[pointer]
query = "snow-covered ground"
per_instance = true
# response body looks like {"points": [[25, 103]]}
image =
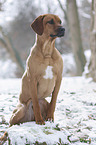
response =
{"points": [[75, 113]]}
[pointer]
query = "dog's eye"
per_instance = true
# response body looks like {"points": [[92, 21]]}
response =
{"points": [[60, 21], [51, 21]]}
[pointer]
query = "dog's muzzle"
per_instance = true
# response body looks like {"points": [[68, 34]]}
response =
{"points": [[60, 32]]}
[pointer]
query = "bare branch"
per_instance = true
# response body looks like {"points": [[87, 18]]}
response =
{"points": [[62, 8]]}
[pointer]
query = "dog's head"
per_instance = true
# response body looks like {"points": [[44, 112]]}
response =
{"points": [[48, 24]]}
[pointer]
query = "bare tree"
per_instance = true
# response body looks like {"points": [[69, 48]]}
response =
{"points": [[64, 11], [5, 42], [92, 65], [75, 34]]}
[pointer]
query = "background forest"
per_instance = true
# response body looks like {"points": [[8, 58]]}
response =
{"points": [[17, 37]]}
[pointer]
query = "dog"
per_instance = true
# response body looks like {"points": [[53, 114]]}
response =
{"points": [[43, 73]]}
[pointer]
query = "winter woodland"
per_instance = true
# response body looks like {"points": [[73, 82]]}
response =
{"points": [[75, 114]]}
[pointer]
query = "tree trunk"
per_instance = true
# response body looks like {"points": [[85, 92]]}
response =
{"points": [[75, 34], [92, 66]]}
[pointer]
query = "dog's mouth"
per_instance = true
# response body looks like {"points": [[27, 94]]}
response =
{"points": [[60, 32]]}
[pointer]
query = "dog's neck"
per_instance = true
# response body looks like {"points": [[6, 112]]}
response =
{"points": [[46, 45]]}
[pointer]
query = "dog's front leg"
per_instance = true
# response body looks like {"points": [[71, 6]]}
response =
{"points": [[36, 107], [51, 108]]}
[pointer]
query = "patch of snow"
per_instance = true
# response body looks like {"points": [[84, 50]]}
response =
{"points": [[32, 132], [7, 71], [69, 66], [7, 66], [88, 56], [10, 86]]}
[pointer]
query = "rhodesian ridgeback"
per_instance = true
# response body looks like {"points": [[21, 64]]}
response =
{"points": [[43, 74]]}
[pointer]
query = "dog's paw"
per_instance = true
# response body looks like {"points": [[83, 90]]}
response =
{"points": [[41, 122], [50, 118]]}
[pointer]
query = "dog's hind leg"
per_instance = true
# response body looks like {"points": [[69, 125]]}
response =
{"points": [[25, 112], [18, 114]]}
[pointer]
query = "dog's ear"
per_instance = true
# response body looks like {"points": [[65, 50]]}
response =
{"points": [[37, 25]]}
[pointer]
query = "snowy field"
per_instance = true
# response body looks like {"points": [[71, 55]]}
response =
{"points": [[75, 114]]}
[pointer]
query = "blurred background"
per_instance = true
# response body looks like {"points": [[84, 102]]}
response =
{"points": [[17, 37]]}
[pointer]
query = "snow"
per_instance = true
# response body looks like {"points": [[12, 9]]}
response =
{"points": [[88, 56], [5, 71], [75, 113], [5, 64], [69, 66], [33, 132]]}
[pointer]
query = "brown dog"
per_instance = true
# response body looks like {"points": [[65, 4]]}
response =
{"points": [[43, 73]]}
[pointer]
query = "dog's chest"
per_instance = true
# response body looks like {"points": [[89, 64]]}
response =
{"points": [[48, 72], [46, 82]]}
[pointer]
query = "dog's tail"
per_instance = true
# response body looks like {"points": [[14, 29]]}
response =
{"points": [[3, 138]]}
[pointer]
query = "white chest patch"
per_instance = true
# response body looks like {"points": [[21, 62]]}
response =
{"points": [[49, 73]]}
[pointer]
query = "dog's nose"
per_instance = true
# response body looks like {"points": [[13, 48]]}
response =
{"points": [[61, 31]]}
